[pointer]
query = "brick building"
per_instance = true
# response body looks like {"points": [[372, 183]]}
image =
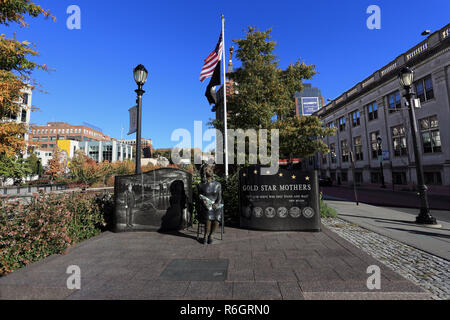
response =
{"points": [[45, 137]]}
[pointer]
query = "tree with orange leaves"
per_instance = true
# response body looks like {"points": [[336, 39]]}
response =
{"points": [[15, 73], [56, 165]]}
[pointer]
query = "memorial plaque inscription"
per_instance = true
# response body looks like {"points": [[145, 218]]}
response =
{"points": [[287, 201], [156, 200]]}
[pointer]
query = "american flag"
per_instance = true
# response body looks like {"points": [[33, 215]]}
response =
{"points": [[212, 60]]}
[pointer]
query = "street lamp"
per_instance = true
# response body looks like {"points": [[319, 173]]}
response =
{"points": [[406, 78], [140, 76], [380, 159]]}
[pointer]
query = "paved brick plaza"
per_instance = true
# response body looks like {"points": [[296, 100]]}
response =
{"points": [[261, 265]]}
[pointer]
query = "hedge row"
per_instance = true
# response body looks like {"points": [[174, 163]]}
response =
{"points": [[48, 224]]}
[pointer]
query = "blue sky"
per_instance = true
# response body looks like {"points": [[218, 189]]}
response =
{"points": [[93, 80]]}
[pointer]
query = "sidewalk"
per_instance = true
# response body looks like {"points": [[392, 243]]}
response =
{"points": [[397, 224], [385, 197], [247, 265]]}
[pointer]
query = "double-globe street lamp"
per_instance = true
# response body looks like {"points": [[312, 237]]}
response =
{"points": [[406, 78], [140, 76]]}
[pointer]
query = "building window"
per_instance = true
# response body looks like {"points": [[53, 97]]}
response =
{"points": [[399, 177], [344, 176], [51, 146], [375, 177], [107, 153], [399, 141], [344, 148], [433, 178], [93, 152], [44, 146], [333, 153], [358, 149], [374, 144], [424, 89], [324, 158], [44, 139], [24, 116], [342, 121], [35, 139], [431, 137], [355, 118], [53, 138], [25, 98], [372, 110], [394, 102], [358, 178], [333, 176]]}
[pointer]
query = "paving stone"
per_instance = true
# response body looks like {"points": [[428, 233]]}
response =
{"points": [[316, 274], [256, 291], [261, 265], [291, 290], [300, 263], [273, 274], [210, 290], [398, 262], [241, 275], [164, 288], [14, 292]]}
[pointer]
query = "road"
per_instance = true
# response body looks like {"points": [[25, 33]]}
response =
{"points": [[385, 198]]}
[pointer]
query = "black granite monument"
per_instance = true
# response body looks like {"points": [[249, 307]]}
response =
{"points": [[287, 201], [158, 200]]}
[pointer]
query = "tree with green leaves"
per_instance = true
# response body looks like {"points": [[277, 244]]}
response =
{"points": [[263, 96], [12, 167]]}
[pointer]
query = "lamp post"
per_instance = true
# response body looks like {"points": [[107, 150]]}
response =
{"points": [[406, 78], [140, 76], [380, 159]]}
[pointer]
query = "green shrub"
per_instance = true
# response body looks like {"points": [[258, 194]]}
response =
{"points": [[230, 195], [48, 224], [326, 211]]}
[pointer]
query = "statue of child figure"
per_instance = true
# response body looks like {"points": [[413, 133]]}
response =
{"points": [[211, 208]]}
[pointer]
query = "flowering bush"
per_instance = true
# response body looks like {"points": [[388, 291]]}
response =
{"points": [[48, 224]]}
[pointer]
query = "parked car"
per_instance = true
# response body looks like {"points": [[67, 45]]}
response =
{"points": [[325, 182]]}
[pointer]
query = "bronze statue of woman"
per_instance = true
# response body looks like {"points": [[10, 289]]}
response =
{"points": [[210, 194]]}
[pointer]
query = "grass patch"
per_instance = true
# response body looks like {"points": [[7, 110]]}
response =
{"points": [[326, 211]]}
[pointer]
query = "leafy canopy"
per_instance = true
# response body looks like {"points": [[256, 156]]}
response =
{"points": [[263, 96], [15, 72]]}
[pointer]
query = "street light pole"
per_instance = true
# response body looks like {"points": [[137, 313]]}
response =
{"points": [[406, 79], [140, 93], [140, 76], [380, 159]]}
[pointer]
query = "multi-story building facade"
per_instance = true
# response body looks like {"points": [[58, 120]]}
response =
{"points": [[375, 108], [45, 137], [23, 112], [146, 146], [99, 151], [308, 92]]}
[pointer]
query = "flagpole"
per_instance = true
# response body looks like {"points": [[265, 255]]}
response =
{"points": [[225, 114]]}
